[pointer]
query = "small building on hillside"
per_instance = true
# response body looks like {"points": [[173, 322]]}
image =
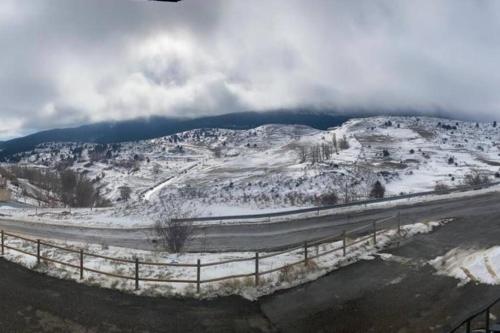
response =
{"points": [[4, 191]]}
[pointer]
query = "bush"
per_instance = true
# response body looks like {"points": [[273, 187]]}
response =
{"points": [[378, 190], [441, 187], [125, 192], [343, 143], [474, 178], [386, 153], [171, 233], [328, 199]]}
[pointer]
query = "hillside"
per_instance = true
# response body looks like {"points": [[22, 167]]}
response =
{"points": [[275, 167], [148, 128]]}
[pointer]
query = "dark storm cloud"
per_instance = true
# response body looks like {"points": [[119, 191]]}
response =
{"points": [[65, 62]]}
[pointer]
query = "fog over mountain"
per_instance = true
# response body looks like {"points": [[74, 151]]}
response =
{"points": [[71, 62]]}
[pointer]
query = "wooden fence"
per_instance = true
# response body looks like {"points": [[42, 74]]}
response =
{"points": [[366, 233]]}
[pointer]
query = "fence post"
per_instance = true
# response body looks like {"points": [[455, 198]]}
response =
{"points": [[136, 273], [38, 251], [3, 250], [344, 243], [305, 253], [81, 264], [487, 322], [374, 232], [198, 276], [257, 269], [399, 223]]}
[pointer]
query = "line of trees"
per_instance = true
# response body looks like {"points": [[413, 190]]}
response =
{"points": [[71, 188], [322, 152]]}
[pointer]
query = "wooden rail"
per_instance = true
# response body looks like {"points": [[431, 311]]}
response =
{"points": [[305, 250]]}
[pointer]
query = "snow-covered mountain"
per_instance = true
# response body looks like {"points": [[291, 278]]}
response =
{"points": [[272, 167]]}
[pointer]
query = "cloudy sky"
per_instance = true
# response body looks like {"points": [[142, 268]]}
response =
{"points": [[69, 62]]}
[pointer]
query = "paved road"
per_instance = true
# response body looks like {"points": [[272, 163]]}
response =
{"points": [[32, 302], [262, 236], [403, 296]]}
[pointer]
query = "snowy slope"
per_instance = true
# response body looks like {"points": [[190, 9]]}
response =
{"points": [[219, 171]]}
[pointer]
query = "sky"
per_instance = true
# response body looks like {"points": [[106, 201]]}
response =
{"points": [[70, 62]]}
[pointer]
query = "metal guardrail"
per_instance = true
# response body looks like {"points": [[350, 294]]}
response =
{"points": [[322, 208]]}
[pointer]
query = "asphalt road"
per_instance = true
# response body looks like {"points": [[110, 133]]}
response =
{"points": [[402, 295], [264, 236], [32, 302], [399, 295]]}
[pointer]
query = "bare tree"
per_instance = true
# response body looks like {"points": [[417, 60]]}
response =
{"points": [[125, 192], [344, 143], [475, 178], [156, 169], [85, 194], [302, 151], [334, 143], [365, 178], [326, 151], [172, 234], [217, 151], [347, 189]]}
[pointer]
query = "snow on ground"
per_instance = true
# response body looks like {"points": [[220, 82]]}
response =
{"points": [[470, 265], [213, 172], [283, 278], [114, 218]]}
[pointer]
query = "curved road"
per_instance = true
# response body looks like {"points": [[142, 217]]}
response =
{"points": [[265, 236], [402, 294]]}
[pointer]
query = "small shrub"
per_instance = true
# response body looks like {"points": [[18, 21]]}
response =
{"points": [[343, 143], [328, 199], [441, 187], [378, 190]]}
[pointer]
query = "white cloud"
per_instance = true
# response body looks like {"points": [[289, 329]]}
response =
{"points": [[67, 62]]}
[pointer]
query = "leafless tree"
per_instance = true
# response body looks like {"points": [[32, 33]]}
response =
{"points": [[475, 178], [343, 143], [125, 192], [334, 143], [302, 151], [326, 151], [365, 178], [217, 152], [172, 234], [156, 169], [347, 189]]}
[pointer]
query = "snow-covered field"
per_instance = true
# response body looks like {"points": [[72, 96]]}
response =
{"points": [[286, 277], [271, 168]]}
